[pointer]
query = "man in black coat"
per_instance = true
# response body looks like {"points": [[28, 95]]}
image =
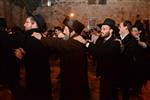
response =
{"points": [[35, 57], [73, 61], [3, 50], [129, 50], [107, 52], [141, 62], [9, 63]]}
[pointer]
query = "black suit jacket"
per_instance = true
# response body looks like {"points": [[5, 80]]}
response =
{"points": [[107, 55], [130, 50]]}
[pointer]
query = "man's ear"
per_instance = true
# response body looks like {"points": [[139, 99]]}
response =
{"points": [[140, 31], [34, 25], [111, 30], [126, 27]]}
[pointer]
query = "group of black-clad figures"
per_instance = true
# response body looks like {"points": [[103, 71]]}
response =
{"points": [[121, 55]]}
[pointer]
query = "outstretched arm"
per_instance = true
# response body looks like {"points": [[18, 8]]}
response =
{"points": [[80, 39]]}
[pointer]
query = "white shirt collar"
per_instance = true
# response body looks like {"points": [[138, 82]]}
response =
{"points": [[122, 36], [107, 37]]}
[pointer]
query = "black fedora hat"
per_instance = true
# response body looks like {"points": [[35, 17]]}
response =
{"points": [[73, 24], [110, 22]]}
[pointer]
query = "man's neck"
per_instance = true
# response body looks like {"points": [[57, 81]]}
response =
{"points": [[107, 38], [122, 36]]}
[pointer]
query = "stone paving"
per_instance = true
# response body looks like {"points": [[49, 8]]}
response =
{"points": [[5, 94]]}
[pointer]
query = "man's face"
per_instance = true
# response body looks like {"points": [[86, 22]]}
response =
{"points": [[57, 32], [105, 31], [28, 24], [135, 32], [66, 31], [122, 28]]}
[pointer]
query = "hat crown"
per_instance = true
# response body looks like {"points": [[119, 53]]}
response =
{"points": [[74, 24], [109, 22]]}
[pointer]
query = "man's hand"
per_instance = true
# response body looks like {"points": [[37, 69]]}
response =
{"points": [[121, 45], [142, 44], [37, 35], [19, 53], [80, 39]]}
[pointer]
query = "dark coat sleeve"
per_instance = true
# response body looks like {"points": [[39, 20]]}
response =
{"points": [[59, 45]]}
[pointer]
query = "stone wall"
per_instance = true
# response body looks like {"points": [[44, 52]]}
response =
{"points": [[14, 15], [89, 13], [116, 9]]}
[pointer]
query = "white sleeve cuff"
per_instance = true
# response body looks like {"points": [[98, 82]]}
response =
{"points": [[87, 44]]}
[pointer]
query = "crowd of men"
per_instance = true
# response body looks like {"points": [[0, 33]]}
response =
{"points": [[121, 55]]}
